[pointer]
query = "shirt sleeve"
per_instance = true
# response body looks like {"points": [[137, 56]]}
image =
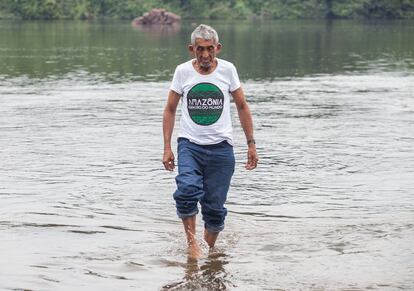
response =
{"points": [[176, 84], [234, 79]]}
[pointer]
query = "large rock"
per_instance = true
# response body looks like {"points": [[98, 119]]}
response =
{"points": [[157, 16]]}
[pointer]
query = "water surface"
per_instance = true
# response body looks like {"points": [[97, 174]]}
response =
{"points": [[86, 205]]}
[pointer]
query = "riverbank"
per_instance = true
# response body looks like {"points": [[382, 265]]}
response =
{"points": [[213, 9]]}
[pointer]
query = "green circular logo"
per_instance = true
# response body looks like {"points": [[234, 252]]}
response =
{"points": [[205, 103]]}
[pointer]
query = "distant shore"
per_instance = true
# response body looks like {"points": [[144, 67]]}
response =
{"points": [[213, 9]]}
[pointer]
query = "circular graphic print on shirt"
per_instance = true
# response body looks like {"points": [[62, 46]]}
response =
{"points": [[205, 103]]}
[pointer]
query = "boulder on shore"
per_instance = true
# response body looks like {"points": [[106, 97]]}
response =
{"points": [[157, 16]]}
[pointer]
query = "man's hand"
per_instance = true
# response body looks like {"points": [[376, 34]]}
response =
{"points": [[252, 158], [168, 160]]}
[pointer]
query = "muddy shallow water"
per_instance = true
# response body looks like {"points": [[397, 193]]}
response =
{"points": [[86, 205]]}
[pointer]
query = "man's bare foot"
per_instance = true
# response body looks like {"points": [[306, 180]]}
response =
{"points": [[194, 251], [210, 237]]}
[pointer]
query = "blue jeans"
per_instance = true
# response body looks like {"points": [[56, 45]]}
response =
{"points": [[204, 175]]}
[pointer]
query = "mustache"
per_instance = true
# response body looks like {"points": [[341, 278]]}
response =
{"points": [[205, 59]]}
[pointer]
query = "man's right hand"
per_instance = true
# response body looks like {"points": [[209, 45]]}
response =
{"points": [[168, 160]]}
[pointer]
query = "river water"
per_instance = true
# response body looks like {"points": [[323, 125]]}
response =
{"points": [[86, 205]]}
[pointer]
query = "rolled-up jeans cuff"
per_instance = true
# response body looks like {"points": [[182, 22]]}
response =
{"points": [[182, 216], [213, 229]]}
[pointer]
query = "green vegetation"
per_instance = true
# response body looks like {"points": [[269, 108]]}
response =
{"points": [[213, 9]]}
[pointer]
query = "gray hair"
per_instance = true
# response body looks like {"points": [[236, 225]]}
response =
{"points": [[204, 32]]}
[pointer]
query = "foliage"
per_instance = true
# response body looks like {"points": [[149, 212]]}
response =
{"points": [[214, 9]]}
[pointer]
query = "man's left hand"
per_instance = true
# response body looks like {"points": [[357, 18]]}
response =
{"points": [[252, 158]]}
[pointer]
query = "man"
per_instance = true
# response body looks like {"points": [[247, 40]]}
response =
{"points": [[205, 151]]}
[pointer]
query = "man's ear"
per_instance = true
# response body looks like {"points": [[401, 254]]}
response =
{"points": [[218, 48], [191, 49]]}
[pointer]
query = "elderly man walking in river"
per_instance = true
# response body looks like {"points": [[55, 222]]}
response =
{"points": [[205, 143]]}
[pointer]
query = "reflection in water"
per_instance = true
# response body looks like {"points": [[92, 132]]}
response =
{"points": [[159, 31], [206, 275], [262, 51]]}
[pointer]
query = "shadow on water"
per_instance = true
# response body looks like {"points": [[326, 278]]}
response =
{"points": [[209, 274]]}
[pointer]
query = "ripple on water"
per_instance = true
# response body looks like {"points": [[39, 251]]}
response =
{"points": [[86, 201]]}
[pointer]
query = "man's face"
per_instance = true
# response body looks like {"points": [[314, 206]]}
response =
{"points": [[205, 52]]}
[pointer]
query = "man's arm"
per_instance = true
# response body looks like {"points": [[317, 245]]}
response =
{"points": [[246, 121], [168, 127]]}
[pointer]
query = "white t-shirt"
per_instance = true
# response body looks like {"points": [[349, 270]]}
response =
{"points": [[205, 102]]}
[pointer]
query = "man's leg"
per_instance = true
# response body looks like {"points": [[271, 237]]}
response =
{"points": [[194, 251], [217, 178], [189, 191]]}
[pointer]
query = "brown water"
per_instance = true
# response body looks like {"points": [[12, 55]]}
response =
{"points": [[86, 205]]}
